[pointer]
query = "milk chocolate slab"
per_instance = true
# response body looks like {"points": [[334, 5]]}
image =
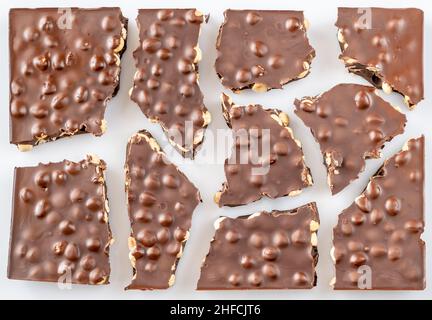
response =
{"points": [[64, 68], [384, 46], [267, 250], [166, 81], [377, 242], [160, 202], [60, 231], [351, 123], [262, 49], [266, 159]]}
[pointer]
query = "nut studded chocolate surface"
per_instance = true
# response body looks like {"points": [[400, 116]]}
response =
{"points": [[262, 49], [276, 250], [266, 159], [382, 228], [64, 67], [351, 123], [384, 46], [166, 82], [161, 201], [60, 230]]}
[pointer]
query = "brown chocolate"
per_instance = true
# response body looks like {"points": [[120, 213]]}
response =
{"points": [[266, 159], [377, 242], [64, 68], [351, 123], [262, 49], [276, 250], [384, 46], [161, 201], [60, 231], [166, 81]]}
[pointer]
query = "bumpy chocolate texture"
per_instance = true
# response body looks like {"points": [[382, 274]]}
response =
{"points": [[161, 201], [262, 50], [381, 230], [64, 67], [251, 172], [276, 250], [166, 81], [384, 46], [60, 231], [351, 123]]}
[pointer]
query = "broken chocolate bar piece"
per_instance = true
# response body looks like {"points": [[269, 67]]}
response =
{"points": [[60, 231], [384, 46], [166, 81], [64, 68], [160, 201], [377, 242], [262, 49], [351, 123], [266, 159], [276, 250]]}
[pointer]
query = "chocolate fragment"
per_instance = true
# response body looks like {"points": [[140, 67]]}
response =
{"points": [[266, 159], [351, 123], [377, 242], [262, 49], [276, 250], [160, 201], [384, 46], [64, 68], [166, 81], [60, 231]]}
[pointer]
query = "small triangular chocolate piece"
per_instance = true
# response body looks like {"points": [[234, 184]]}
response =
{"points": [[377, 242], [351, 123], [266, 160]]}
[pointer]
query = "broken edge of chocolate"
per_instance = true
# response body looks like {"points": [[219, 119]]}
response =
{"points": [[266, 250], [377, 242], [161, 201], [262, 49], [166, 81], [266, 159]]}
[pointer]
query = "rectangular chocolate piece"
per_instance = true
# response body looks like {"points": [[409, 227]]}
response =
{"points": [[64, 68], [262, 49], [377, 242], [60, 231], [266, 159], [160, 202], [384, 46], [351, 123], [266, 250], [166, 81]]}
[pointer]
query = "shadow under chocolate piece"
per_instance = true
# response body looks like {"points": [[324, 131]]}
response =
{"points": [[351, 123], [262, 49], [266, 159], [160, 201], [64, 68], [384, 46], [377, 242], [266, 250], [60, 231], [166, 81]]}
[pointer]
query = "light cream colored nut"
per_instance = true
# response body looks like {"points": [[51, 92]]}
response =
{"points": [[120, 46], [103, 125], [306, 24], [217, 197], [294, 193], [332, 254], [207, 118], [124, 33], [386, 88], [171, 280], [132, 243], [314, 239], [314, 225], [25, 147], [218, 222], [198, 55], [284, 118], [340, 36], [276, 118], [259, 87]]}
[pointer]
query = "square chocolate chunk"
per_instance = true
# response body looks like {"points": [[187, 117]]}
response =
{"points": [[384, 46], [160, 202], [64, 68], [262, 49], [266, 250], [377, 242], [60, 231]]}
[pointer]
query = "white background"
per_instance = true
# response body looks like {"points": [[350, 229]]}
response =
{"points": [[124, 118]]}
